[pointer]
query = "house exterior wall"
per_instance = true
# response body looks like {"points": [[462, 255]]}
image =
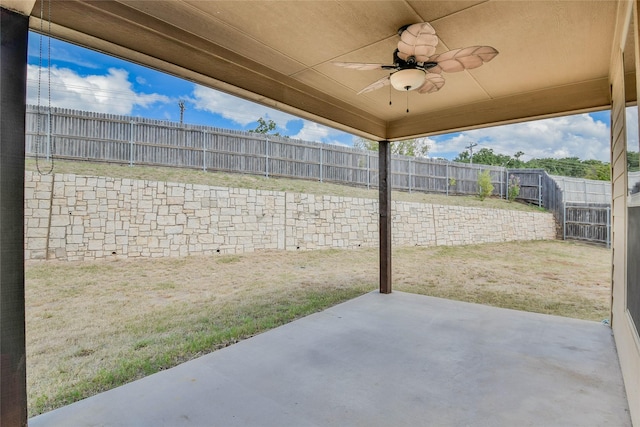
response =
{"points": [[74, 217], [626, 336]]}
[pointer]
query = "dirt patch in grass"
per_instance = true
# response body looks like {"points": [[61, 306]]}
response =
{"points": [[92, 326]]}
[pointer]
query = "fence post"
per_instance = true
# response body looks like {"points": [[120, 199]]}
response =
{"points": [[409, 167], [539, 190], [447, 178], [506, 183], [266, 156], [506, 180], [204, 150], [321, 163], [48, 133], [368, 170], [131, 128], [585, 191], [564, 222], [608, 226]]}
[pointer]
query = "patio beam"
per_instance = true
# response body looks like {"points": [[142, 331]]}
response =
{"points": [[13, 78], [384, 170]]}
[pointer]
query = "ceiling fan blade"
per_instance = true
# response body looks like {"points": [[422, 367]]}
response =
{"points": [[376, 85], [418, 40], [466, 58], [432, 83], [360, 65]]}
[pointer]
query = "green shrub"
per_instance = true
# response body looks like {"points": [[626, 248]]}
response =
{"points": [[514, 188], [485, 187]]}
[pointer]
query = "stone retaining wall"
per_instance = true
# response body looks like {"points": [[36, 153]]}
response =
{"points": [[75, 217]]}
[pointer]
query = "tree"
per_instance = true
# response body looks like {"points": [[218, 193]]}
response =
{"points": [[463, 157], [416, 147], [264, 127], [595, 169], [484, 156], [632, 161], [568, 166], [516, 162]]}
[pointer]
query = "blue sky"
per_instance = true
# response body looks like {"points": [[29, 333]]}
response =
{"points": [[87, 80]]}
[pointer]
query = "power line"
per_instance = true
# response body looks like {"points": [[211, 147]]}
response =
{"points": [[95, 91]]}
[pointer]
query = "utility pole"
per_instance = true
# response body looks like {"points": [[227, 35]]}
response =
{"points": [[182, 108], [470, 148]]}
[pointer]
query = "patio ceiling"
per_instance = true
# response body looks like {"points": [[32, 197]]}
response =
{"points": [[554, 55]]}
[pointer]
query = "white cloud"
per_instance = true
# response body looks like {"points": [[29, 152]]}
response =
{"points": [[110, 93], [315, 132], [570, 136], [245, 112], [236, 109], [312, 132]]}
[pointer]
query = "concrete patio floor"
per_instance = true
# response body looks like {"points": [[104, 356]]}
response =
{"points": [[384, 360]]}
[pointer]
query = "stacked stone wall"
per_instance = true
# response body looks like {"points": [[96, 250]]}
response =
{"points": [[75, 217]]}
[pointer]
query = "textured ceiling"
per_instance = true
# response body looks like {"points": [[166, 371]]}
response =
{"points": [[554, 55]]}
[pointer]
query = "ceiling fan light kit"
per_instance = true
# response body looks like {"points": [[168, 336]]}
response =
{"points": [[416, 66], [407, 79]]}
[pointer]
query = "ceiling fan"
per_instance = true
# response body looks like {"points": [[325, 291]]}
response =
{"points": [[415, 64]]}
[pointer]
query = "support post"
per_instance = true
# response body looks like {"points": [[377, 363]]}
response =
{"points": [[13, 82], [384, 170]]}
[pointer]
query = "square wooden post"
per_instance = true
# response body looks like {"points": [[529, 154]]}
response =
{"points": [[384, 171], [14, 29]]}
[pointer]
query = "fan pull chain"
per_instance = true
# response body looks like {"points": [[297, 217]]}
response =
{"points": [[39, 109], [389, 94], [407, 100]]}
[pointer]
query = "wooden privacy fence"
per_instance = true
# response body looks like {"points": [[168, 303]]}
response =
{"points": [[580, 206], [530, 184], [80, 135], [577, 190], [589, 222]]}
